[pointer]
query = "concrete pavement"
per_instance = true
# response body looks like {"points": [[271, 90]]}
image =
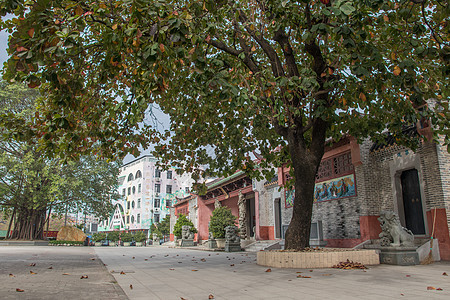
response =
{"points": [[49, 281], [159, 272], [167, 273]]}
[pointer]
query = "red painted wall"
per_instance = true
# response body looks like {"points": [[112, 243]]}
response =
{"points": [[439, 218], [369, 227], [204, 212], [343, 243], [266, 232]]}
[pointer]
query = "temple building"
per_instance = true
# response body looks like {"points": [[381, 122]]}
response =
{"points": [[355, 182]]}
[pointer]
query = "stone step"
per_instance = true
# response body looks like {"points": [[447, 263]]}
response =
{"points": [[263, 245]]}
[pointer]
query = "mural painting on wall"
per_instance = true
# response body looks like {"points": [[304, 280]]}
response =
{"points": [[335, 188], [332, 189], [289, 196]]}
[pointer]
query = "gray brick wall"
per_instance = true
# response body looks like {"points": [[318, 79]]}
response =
{"points": [[378, 188], [444, 168]]}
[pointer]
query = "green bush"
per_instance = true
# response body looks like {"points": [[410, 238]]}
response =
{"points": [[181, 221], [65, 242], [99, 236], [113, 236], [154, 229], [139, 236], [221, 218], [126, 237]]}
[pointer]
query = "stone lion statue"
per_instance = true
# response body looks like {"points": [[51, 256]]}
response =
{"points": [[231, 234], [186, 233], [392, 233]]}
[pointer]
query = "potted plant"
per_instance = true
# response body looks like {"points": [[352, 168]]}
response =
{"points": [[126, 238], [113, 237], [181, 221], [98, 238], [139, 238], [221, 218]]}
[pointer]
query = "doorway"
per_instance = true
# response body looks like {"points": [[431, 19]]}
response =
{"points": [[277, 213], [251, 220], [412, 202]]}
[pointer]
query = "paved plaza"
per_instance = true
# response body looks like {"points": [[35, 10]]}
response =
{"points": [[159, 272]]}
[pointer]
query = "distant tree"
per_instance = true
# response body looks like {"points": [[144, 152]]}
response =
{"points": [[164, 226], [33, 186]]}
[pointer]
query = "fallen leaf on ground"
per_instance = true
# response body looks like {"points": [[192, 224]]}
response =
{"points": [[445, 274], [20, 290], [211, 296], [66, 274], [429, 288], [232, 265], [84, 277], [32, 273], [11, 275], [402, 294], [32, 264], [171, 269], [92, 258], [301, 276], [327, 274], [438, 289], [131, 286], [145, 259], [311, 270], [268, 270], [133, 257], [194, 270], [203, 259], [183, 298], [298, 272], [122, 273], [50, 268], [408, 275], [346, 265]]}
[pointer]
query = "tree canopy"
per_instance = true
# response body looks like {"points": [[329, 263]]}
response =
{"points": [[234, 77]]}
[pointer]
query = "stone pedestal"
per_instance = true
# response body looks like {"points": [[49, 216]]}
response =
{"points": [[232, 247], [187, 243], [212, 244], [402, 256]]}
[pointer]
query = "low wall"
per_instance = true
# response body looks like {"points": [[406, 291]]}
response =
{"points": [[316, 259]]}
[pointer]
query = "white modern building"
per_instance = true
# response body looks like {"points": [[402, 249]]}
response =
{"points": [[147, 194]]}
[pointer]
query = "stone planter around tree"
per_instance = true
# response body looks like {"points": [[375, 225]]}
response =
{"points": [[126, 244], [138, 244]]}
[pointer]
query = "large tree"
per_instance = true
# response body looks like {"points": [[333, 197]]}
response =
{"points": [[32, 186], [278, 77]]}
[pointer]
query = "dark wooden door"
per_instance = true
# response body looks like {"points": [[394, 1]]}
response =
{"points": [[412, 202]]}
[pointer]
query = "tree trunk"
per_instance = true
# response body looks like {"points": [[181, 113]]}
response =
{"points": [[305, 163], [29, 224], [8, 232]]}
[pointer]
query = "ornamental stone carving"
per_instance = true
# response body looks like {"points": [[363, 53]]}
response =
{"points": [[392, 233], [242, 205]]}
